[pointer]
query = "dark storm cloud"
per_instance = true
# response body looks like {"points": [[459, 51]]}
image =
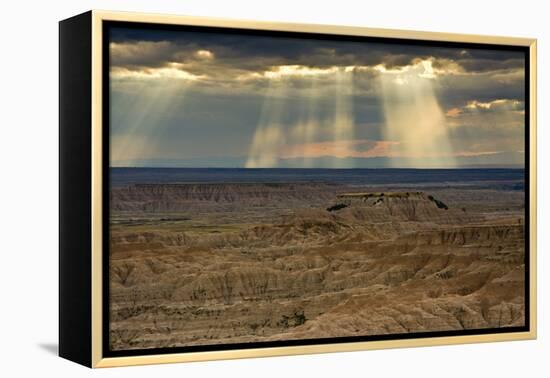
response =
{"points": [[477, 74], [252, 52], [458, 90]]}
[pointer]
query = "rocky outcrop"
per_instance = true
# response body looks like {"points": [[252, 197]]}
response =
{"points": [[184, 197], [398, 206]]}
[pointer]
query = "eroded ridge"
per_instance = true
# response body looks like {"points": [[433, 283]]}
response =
{"points": [[196, 264]]}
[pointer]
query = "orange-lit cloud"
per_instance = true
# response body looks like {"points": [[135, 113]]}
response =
{"points": [[453, 112], [363, 149], [340, 149]]}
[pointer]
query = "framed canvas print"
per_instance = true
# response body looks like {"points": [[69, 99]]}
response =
{"points": [[236, 189]]}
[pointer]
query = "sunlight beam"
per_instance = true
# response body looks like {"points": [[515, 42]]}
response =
{"points": [[343, 127], [308, 126], [415, 120], [141, 116], [269, 136]]}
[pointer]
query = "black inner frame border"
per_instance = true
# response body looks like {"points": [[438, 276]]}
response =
{"points": [[106, 25]]}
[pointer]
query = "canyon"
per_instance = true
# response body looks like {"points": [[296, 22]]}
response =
{"points": [[205, 263]]}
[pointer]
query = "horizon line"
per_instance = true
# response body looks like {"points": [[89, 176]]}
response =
{"points": [[513, 166]]}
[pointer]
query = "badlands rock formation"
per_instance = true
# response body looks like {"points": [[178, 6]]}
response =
{"points": [[196, 264]]}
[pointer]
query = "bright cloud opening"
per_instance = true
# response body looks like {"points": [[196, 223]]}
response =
{"points": [[297, 70], [154, 73], [204, 54]]}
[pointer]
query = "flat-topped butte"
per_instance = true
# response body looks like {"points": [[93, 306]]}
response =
{"points": [[379, 194], [363, 196]]}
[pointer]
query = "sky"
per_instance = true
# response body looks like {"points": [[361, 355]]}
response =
{"points": [[203, 99]]}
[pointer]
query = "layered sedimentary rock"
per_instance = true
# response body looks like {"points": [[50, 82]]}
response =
{"points": [[321, 261], [178, 197]]}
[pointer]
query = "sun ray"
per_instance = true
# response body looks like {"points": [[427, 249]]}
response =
{"points": [[141, 115], [308, 125], [270, 131], [343, 127], [414, 119]]}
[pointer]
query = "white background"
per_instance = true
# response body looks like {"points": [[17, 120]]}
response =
{"points": [[29, 186]]}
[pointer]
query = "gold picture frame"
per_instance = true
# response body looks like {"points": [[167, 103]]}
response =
{"points": [[89, 268]]}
